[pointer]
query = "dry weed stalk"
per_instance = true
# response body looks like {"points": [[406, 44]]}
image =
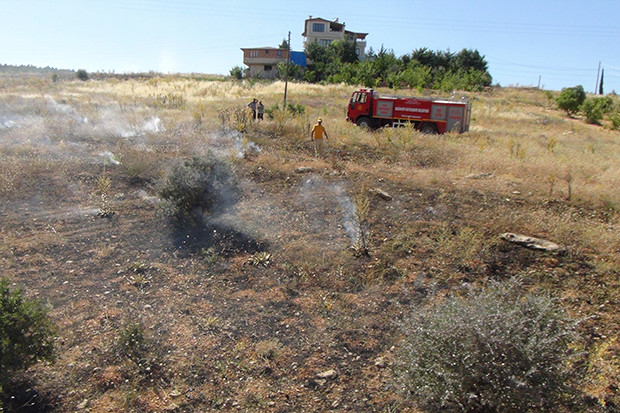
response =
{"points": [[234, 119], [362, 210], [551, 144], [551, 181], [104, 183], [569, 183]]}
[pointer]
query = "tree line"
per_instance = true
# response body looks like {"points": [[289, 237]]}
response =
{"points": [[422, 68], [30, 69]]}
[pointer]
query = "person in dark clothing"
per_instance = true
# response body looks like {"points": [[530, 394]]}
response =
{"points": [[252, 105]]}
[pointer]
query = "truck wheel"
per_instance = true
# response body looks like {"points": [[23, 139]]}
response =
{"points": [[429, 129], [364, 123]]}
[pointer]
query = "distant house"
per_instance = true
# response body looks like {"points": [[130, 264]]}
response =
{"points": [[262, 61], [326, 31]]}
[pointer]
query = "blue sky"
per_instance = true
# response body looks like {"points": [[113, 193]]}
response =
{"points": [[562, 42]]}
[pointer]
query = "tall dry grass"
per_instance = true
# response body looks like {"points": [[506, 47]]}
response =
{"points": [[525, 147]]}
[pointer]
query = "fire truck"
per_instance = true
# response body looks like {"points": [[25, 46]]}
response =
{"points": [[369, 109]]}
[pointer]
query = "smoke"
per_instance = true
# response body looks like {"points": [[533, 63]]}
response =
{"points": [[109, 156], [223, 143], [330, 202], [6, 123], [61, 130], [62, 108], [152, 125], [350, 223], [78, 131]]}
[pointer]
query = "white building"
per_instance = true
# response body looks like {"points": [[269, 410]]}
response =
{"points": [[326, 31]]}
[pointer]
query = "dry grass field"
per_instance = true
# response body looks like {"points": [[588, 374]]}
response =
{"points": [[273, 307]]}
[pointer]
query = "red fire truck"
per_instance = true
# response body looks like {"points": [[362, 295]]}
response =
{"points": [[368, 109]]}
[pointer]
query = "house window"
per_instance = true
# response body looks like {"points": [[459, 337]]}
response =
{"points": [[279, 53], [325, 42], [253, 53], [266, 51], [267, 68], [318, 27]]}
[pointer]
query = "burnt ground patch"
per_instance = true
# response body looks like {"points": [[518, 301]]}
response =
{"points": [[22, 395], [220, 238]]}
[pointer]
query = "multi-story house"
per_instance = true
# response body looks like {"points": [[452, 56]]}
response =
{"points": [[326, 31], [262, 61]]}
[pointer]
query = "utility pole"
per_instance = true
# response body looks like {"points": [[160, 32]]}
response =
{"points": [[539, 77], [288, 59], [598, 72]]}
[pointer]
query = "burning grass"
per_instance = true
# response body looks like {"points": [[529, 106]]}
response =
{"points": [[267, 295]]}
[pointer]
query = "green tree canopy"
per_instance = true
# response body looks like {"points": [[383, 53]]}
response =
{"points": [[571, 99], [82, 75], [423, 68]]}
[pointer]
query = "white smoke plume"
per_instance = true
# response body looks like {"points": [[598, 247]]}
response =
{"points": [[331, 201]]}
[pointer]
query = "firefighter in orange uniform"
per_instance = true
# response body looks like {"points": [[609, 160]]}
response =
{"points": [[317, 133]]}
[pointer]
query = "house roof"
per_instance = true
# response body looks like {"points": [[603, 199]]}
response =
{"points": [[357, 35], [262, 48]]}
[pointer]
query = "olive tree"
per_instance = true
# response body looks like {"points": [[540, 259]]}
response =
{"points": [[571, 99]]}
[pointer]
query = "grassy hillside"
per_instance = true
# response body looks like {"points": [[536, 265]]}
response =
{"points": [[272, 304]]}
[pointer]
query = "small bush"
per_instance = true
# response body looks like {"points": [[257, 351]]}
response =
{"points": [[615, 120], [237, 72], [133, 345], [82, 75], [26, 333], [571, 99], [497, 350], [197, 186], [290, 108], [595, 108]]}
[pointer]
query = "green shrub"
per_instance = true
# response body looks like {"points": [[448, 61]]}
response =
{"points": [[237, 72], [615, 120], [499, 349], [290, 108], [571, 99], [295, 72], [197, 186], [549, 96], [82, 75], [133, 345], [595, 108], [26, 333], [592, 111]]}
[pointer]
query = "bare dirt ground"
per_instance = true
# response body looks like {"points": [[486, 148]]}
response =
{"points": [[267, 307]]}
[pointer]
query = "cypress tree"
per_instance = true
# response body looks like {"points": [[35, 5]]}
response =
{"points": [[600, 86]]}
